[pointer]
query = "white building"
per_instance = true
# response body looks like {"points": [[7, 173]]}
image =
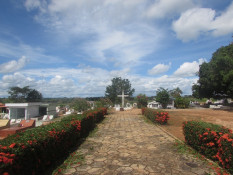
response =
{"points": [[154, 105], [157, 105], [28, 110]]}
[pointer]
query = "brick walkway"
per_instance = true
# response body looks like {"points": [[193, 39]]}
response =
{"points": [[126, 144]]}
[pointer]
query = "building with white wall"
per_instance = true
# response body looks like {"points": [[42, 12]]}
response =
{"points": [[154, 105], [28, 110]]}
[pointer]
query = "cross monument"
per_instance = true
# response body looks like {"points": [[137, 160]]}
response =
{"points": [[122, 98]]}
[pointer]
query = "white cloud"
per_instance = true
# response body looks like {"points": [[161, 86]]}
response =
{"points": [[31, 4], [223, 24], [189, 69], [14, 65], [193, 22], [127, 46], [164, 8], [159, 68], [110, 28], [83, 82], [197, 21], [16, 79]]}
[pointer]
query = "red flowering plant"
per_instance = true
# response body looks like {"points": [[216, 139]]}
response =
{"points": [[213, 141], [143, 110], [156, 116], [225, 152], [42, 146], [162, 117], [142, 100]]}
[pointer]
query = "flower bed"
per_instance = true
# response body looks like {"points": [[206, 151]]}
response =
{"points": [[213, 141], [156, 116], [35, 150]]}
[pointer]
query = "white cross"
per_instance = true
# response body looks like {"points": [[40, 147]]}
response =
{"points": [[122, 97]]}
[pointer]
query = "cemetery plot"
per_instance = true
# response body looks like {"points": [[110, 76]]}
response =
{"points": [[178, 116], [24, 124], [4, 123]]}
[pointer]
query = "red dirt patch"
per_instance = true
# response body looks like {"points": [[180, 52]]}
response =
{"points": [[178, 116]]}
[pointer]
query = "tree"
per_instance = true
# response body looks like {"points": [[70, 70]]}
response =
{"points": [[175, 92], [80, 104], [162, 97], [195, 91], [24, 94], [216, 77], [181, 102], [103, 102], [116, 88], [142, 100]]}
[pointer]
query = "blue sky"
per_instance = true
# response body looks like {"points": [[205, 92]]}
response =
{"points": [[70, 48]]}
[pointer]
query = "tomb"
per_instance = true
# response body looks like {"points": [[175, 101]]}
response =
{"points": [[22, 126], [4, 123], [154, 105]]}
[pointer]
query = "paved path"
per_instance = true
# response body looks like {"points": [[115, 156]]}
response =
{"points": [[126, 144]]}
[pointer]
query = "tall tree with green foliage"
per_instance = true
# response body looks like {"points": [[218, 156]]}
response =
{"points": [[103, 102], [162, 96], [80, 104], [175, 93], [216, 77], [24, 94], [118, 84]]}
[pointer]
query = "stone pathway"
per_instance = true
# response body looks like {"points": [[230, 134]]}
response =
{"points": [[126, 144]]}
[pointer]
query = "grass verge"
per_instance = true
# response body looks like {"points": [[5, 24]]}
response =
{"points": [[182, 148], [75, 158]]}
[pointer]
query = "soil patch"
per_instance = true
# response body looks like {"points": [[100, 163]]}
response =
{"points": [[178, 116]]}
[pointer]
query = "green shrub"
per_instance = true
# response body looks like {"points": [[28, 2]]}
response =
{"points": [[35, 150], [156, 116], [213, 141], [181, 102]]}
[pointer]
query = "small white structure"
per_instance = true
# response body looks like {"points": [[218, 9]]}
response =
{"points": [[117, 107], [135, 105], [47, 117], [215, 106], [23, 110], [154, 105], [128, 106]]}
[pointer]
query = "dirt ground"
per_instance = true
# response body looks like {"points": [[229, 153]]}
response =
{"points": [[178, 116]]}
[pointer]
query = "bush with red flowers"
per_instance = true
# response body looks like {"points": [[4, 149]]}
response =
{"points": [[213, 141], [35, 150], [156, 116], [143, 110]]}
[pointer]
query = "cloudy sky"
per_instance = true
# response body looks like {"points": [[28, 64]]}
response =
{"points": [[71, 48]]}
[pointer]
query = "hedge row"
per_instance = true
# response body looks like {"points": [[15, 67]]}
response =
{"points": [[213, 141], [156, 115], [35, 150]]}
